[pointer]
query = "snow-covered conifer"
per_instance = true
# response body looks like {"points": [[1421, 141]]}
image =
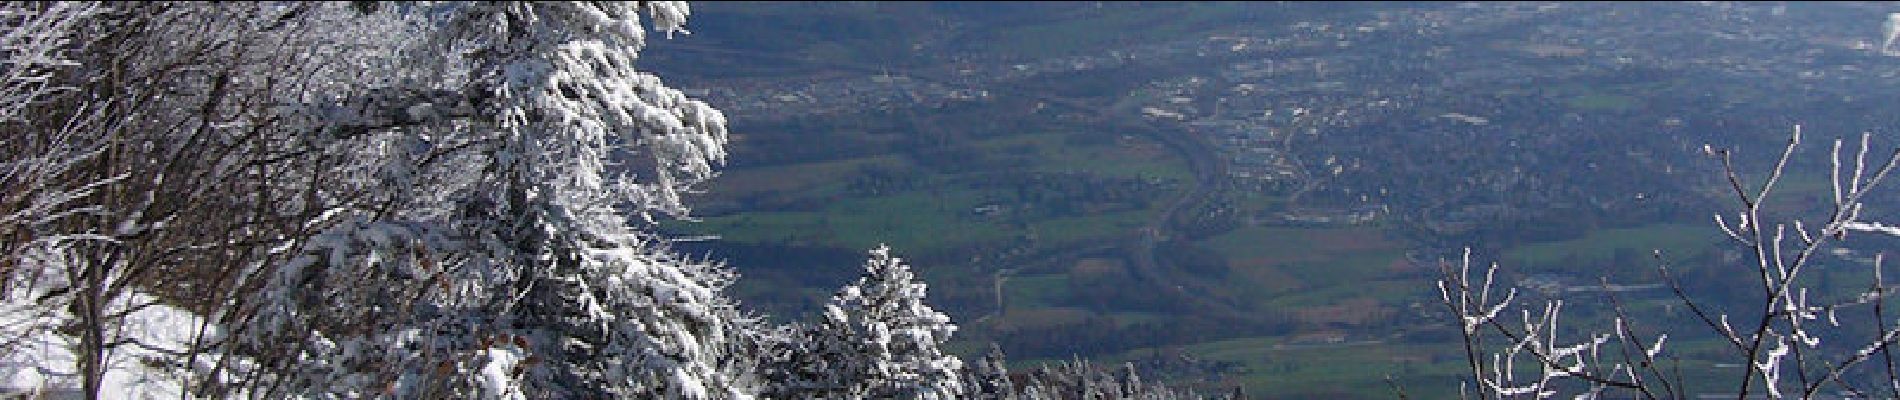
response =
{"points": [[877, 339], [515, 269], [1078, 379], [988, 378]]}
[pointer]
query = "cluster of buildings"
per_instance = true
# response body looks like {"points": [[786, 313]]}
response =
{"points": [[1274, 100], [1406, 71]]}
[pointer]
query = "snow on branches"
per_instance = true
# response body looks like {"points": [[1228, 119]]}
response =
{"points": [[569, 104], [1780, 345], [877, 339], [514, 269]]}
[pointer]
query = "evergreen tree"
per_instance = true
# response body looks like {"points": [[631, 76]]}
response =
{"points": [[988, 378], [1079, 380], [877, 339], [527, 279]]}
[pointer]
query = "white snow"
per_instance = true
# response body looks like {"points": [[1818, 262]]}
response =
{"points": [[45, 362], [498, 377]]}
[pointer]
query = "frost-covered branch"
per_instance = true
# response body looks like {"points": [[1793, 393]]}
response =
{"points": [[34, 40], [1782, 348], [1533, 343], [1786, 306]]}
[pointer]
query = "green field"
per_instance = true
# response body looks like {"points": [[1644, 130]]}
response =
{"points": [[1257, 242], [1095, 227], [1275, 367], [1295, 264], [1033, 292], [1359, 367], [1617, 97], [937, 219], [814, 178], [1126, 158], [1345, 370], [1676, 241], [912, 222], [1598, 101]]}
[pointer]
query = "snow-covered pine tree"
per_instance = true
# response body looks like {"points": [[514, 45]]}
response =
{"points": [[1079, 380], [988, 378], [515, 271], [877, 339]]}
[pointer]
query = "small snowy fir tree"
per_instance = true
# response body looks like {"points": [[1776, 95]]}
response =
{"points": [[1079, 380], [988, 378], [877, 340]]}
